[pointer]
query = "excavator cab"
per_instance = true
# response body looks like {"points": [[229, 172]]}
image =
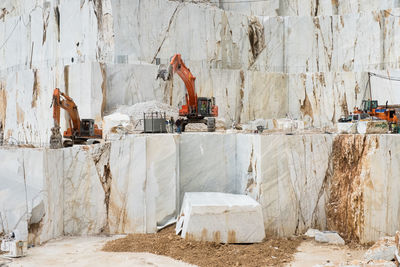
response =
{"points": [[204, 106], [369, 105], [87, 127]]}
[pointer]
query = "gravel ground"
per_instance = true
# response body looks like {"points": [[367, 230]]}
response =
{"points": [[272, 252]]}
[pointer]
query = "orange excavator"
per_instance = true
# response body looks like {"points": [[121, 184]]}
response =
{"points": [[197, 109], [387, 112], [79, 131]]}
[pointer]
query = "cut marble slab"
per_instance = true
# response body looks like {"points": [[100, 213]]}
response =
{"points": [[220, 217]]}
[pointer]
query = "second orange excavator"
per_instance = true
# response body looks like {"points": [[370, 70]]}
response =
{"points": [[197, 109], [79, 131]]}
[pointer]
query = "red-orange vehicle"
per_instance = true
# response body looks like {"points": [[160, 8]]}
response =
{"points": [[79, 131], [388, 113], [196, 108]]}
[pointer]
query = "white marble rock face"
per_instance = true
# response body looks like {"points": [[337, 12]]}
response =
{"points": [[128, 84], [31, 193], [320, 99], [84, 197], [207, 162], [127, 209], [221, 218], [128, 186], [281, 181], [144, 187], [162, 163], [379, 184], [134, 185], [290, 176], [55, 33], [302, 7]]}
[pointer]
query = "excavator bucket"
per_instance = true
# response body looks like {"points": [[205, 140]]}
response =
{"points": [[55, 138], [164, 72]]}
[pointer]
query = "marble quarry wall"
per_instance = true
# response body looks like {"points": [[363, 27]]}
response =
{"points": [[346, 183], [367, 207], [31, 193], [305, 7], [26, 115], [304, 58], [128, 186], [97, 88]]}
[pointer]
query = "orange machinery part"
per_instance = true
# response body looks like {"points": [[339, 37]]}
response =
{"points": [[179, 67], [381, 115], [61, 100]]}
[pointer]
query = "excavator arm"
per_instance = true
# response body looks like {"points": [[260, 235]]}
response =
{"points": [[60, 100], [191, 97]]}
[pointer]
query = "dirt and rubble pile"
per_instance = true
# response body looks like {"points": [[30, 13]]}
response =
{"points": [[272, 252]]}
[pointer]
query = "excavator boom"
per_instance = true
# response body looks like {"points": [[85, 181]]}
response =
{"points": [[179, 67], [196, 108], [60, 100]]}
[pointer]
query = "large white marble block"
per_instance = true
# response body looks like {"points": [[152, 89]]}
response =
{"points": [[221, 218]]}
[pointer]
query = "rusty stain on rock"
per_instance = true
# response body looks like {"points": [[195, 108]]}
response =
{"points": [[306, 107], [189, 236], [34, 232], [3, 104], [204, 234], [250, 168], [345, 208], [118, 215], [20, 114], [251, 184], [344, 106], [217, 237], [103, 88], [57, 19], [46, 16], [3, 13], [256, 38], [241, 94], [35, 89], [66, 79], [231, 236], [101, 158]]}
